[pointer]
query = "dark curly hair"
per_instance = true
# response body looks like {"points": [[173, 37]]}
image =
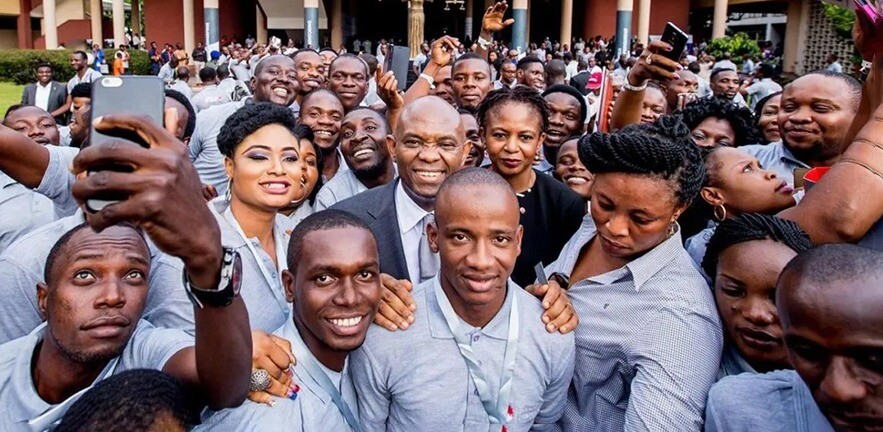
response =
{"points": [[752, 227], [663, 150], [517, 94], [130, 401], [253, 116], [741, 119]]}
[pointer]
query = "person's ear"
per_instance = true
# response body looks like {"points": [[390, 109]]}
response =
{"points": [[391, 146], [712, 196], [43, 300], [229, 166], [288, 285], [432, 236]]}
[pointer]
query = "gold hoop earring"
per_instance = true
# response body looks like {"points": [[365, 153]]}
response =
{"points": [[720, 212]]}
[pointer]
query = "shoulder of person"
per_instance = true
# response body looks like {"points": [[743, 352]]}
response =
{"points": [[746, 395], [561, 192], [371, 198]]}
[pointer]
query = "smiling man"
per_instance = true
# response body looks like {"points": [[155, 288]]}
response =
{"points": [[348, 78], [365, 142], [323, 112], [310, 72], [829, 301], [430, 144], [567, 118], [275, 80], [333, 279], [814, 117], [471, 80], [531, 73], [477, 344]]}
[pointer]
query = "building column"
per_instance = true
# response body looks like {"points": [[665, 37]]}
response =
{"points": [[416, 21], [795, 35], [50, 27], [136, 19], [118, 12], [335, 23], [95, 15], [719, 28], [644, 22], [189, 16], [623, 26], [566, 22], [260, 25], [311, 23], [212, 20], [519, 29], [470, 13], [23, 26]]}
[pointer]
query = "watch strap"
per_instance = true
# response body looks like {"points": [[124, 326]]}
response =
{"points": [[228, 288]]}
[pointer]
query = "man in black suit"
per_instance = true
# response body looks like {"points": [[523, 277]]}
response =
{"points": [[47, 94], [579, 80], [430, 144]]}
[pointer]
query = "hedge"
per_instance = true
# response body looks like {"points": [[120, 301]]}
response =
{"points": [[19, 65]]}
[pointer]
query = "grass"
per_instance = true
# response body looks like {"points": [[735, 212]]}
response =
{"points": [[10, 94]]}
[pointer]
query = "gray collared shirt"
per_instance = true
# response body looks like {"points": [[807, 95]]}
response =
{"points": [[148, 348], [23, 211], [648, 343], [311, 411], [417, 380], [342, 186], [58, 180], [262, 289], [773, 402], [776, 157], [21, 268], [204, 152]]}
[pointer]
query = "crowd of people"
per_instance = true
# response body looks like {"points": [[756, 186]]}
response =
{"points": [[300, 245]]}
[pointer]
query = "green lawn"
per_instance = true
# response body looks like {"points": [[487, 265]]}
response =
{"points": [[10, 94]]}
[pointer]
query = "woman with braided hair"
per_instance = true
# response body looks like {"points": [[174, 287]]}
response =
{"points": [[650, 340], [512, 125], [744, 257]]}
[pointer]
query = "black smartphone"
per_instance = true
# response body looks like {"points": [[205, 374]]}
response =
{"points": [[397, 58], [677, 38], [142, 95]]}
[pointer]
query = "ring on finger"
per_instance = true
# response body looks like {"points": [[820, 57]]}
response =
{"points": [[649, 59], [260, 380]]}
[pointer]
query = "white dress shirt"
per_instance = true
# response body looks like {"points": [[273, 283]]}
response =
{"points": [[410, 216], [41, 99]]}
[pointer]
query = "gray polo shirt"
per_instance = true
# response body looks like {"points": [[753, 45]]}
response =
{"points": [[148, 348], [23, 211], [417, 379], [342, 186], [776, 157], [21, 268], [264, 296], [58, 180], [311, 411], [773, 402], [204, 153]]}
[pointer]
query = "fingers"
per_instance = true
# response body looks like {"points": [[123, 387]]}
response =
{"points": [[537, 290], [209, 192], [280, 388], [286, 347], [388, 318], [124, 126], [401, 289], [571, 324], [557, 314], [113, 153], [508, 22], [261, 398], [395, 309], [170, 120], [378, 73]]}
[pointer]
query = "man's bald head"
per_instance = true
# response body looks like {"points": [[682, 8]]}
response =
{"points": [[430, 109], [481, 178]]}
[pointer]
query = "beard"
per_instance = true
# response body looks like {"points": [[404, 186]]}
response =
{"points": [[86, 356], [371, 172]]}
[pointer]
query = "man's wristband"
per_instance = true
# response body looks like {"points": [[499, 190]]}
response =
{"points": [[483, 43], [630, 87], [428, 79]]}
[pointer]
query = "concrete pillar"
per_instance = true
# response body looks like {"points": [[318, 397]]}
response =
{"points": [[136, 18], [566, 22], [623, 26], [416, 21], [519, 29], [644, 21], [470, 9], [189, 16], [260, 25], [118, 13], [95, 19], [795, 36], [311, 23], [719, 28], [211, 16], [23, 25], [50, 28], [335, 23]]}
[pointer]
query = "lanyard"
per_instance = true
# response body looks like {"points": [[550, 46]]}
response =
{"points": [[281, 257], [497, 413], [308, 362], [52, 416]]}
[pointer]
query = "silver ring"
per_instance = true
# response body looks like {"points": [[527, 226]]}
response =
{"points": [[260, 381], [649, 59]]}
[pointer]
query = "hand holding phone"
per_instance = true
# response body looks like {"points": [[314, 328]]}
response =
{"points": [[677, 38]]}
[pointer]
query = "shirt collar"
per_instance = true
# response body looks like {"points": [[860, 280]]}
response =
{"points": [[6, 180], [409, 213], [289, 332], [785, 154], [497, 328]]}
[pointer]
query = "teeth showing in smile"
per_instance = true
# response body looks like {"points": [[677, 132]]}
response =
{"points": [[323, 133], [577, 180], [275, 186], [362, 152], [280, 92], [429, 174], [346, 322]]}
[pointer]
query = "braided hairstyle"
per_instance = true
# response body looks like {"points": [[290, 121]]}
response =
{"points": [[662, 150], [753, 227], [517, 94], [741, 119], [130, 401]]}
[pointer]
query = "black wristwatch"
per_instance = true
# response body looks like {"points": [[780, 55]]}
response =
{"points": [[562, 279], [228, 288]]}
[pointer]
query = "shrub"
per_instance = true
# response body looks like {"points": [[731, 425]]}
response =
{"points": [[19, 65], [737, 45]]}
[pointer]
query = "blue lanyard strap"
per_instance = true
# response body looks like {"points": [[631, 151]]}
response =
{"points": [[496, 410]]}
